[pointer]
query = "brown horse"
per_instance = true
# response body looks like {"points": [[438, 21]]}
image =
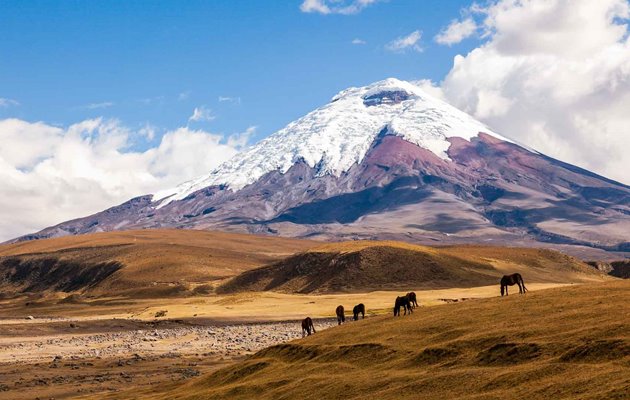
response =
{"points": [[358, 309], [341, 314], [307, 326], [510, 280], [402, 301], [412, 299]]}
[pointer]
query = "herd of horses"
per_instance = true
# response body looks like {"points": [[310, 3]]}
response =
{"points": [[407, 302]]}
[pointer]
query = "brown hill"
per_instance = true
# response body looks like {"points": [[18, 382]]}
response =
{"points": [[146, 262], [564, 343], [370, 265]]}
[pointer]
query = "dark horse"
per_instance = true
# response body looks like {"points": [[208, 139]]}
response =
{"points": [[402, 301], [341, 314], [510, 280], [358, 309], [412, 299], [307, 326]]}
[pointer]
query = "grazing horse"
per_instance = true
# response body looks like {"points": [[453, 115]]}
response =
{"points": [[358, 309], [412, 299], [341, 314], [510, 280], [307, 326], [402, 301]]}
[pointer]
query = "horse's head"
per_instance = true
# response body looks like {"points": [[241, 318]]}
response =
{"points": [[502, 289]]}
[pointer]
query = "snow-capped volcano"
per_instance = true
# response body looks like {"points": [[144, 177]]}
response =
{"points": [[338, 135], [387, 160]]}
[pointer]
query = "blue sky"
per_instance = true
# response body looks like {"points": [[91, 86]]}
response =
{"points": [[153, 62], [102, 101]]}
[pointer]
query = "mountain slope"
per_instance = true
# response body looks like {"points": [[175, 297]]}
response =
{"points": [[387, 161]]}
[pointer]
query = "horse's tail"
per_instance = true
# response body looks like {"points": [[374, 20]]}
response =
{"points": [[523, 284]]}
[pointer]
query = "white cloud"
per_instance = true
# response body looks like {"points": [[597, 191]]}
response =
{"points": [[345, 7], [95, 106], [201, 113], [456, 31], [358, 41], [151, 100], [8, 102], [184, 95], [404, 43], [51, 174], [554, 74], [227, 99]]}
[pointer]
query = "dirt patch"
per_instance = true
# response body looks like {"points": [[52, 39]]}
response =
{"points": [[508, 353], [598, 351], [289, 352], [435, 355]]}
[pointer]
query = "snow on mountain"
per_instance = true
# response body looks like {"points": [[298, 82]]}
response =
{"points": [[338, 135]]}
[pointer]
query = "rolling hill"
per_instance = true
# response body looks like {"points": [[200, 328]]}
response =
{"points": [[363, 266], [137, 263]]}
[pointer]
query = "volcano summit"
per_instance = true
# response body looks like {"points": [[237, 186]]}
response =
{"points": [[387, 161]]}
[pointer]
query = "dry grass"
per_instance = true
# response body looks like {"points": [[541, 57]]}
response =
{"points": [[154, 262], [364, 266], [563, 343]]}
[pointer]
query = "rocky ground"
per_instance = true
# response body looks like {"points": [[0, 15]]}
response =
{"points": [[72, 364]]}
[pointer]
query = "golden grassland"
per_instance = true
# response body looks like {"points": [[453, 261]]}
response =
{"points": [[562, 343], [162, 262], [177, 263]]}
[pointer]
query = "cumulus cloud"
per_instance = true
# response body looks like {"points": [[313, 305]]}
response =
{"points": [[358, 41], [554, 74], [51, 174], [8, 102], [456, 31], [404, 43], [201, 113], [345, 7]]}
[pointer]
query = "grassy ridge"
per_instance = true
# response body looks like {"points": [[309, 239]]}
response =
{"points": [[371, 265]]}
